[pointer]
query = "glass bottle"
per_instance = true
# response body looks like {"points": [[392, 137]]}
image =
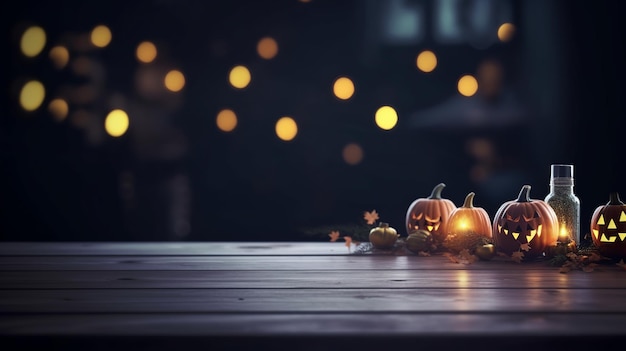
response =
{"points": [[565, 203]]}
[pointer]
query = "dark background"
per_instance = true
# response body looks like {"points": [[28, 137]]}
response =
{"points": [[175, 176]]}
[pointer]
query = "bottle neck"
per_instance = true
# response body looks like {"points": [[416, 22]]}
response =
{"points": [[562, 186]]}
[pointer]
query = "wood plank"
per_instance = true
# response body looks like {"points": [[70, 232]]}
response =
{"points": [[313, 300], [314, 279], [173, 248], [284, 263], [317, 324]]}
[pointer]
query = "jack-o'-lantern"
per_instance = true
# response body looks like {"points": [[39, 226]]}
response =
{"points": [[608, 227], [430, 213], [469, 219], [525, 221]]}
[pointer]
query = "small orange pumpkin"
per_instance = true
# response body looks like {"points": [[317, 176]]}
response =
{"points": [[469, 219], [525, 221], [608, 227], [430, 213]]}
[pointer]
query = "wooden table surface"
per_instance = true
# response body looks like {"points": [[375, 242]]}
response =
{"points": [[296, 296]]}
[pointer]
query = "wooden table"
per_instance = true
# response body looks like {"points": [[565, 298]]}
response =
{"points": [[296, 296]]}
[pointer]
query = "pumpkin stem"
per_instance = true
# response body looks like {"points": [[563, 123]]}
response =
{"points": [[524, 194], [383, 225], [614, 199], [436, 194], [469, 200]]}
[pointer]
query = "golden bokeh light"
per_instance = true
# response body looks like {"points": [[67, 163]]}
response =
{"points": [[467, 85], [146, 52], [267, 48], [32, 95], [116, 123], [352, 154], [343, 88], [426, 61], [226, 120], [59, 109], [101, 36], [506, 31], [174, 80], [386, 117], [60, 56], [286, 128], [33, 41], [239, 77]]}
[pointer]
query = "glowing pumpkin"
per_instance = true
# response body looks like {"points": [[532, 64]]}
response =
{"points": [[430, 213], [525, 221], [469, 219], [608, 227]]}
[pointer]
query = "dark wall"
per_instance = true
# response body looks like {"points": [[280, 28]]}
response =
{"points": [[561, 95]]}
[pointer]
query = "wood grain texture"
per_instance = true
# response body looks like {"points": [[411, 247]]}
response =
{"points": [[304, 296]]}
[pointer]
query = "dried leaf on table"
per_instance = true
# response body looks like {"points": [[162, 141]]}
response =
{"points": [[517, 256], [524, 247], [334, 235]]}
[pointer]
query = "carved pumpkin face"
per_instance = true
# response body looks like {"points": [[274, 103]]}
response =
{"points": [[525, 221], [430, 214], [608, 228]]}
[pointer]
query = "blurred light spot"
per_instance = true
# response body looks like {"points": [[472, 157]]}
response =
{"points": [[506, 32], [33, 41], [59, 109], [239, 77], [343, 88], [267, 48], [146, 52], [386, 117], [286, 128], [467, 85], [226, 120], [116, 123], [352, 154], [174, 80], [101, 36], [426, 61], [81, 118], [32, 95], [60, 56]]}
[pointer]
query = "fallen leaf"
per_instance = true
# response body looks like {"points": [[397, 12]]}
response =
{"points": [[517, 256], [334, 235], [348, 241], [370, 217], [524, 247], [621, 263]]}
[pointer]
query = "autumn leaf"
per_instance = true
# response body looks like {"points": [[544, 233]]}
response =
{"points": [[348, 241], [423, 253], [517, 256], [621, 264], [451, 257], [524, 247], [370, 217], [334, 235]]}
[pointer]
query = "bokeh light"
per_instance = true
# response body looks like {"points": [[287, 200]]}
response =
{"points": [[506, 31], [146, 52], [32, 95], [467, 85], [426, 61], [33, 41], [286, 128], [60, 56], [239, 77], [226, 120], [59, 109], [267, 48], [101, 36], [386, 117], [174, 80], [116, 123], [343, 88], [352, 154]]}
